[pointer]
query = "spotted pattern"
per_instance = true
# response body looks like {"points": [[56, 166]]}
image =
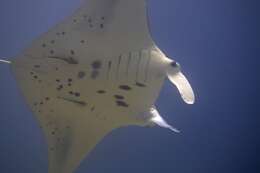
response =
{"points": [[121, 103], [125, 87], [140, 84], [101, 91]]}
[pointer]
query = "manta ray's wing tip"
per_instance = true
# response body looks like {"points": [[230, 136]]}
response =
{"points": [[174, 130], [189, 100]]}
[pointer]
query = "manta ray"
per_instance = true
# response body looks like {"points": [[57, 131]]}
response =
{"points": [[96, 71]]}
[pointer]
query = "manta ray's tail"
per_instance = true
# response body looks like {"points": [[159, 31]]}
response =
{"points": [[180, 81], [2, 61]]}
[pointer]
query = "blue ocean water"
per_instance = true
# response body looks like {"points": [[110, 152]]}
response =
{"points": [[217, 44]]}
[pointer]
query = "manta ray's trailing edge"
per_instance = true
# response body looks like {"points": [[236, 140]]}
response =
{"points": [[96, 71]]}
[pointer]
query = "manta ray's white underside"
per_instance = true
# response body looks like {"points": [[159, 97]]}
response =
{"points": [[96, 71]]}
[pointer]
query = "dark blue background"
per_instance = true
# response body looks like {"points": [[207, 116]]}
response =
{"points": [[217, 43]]}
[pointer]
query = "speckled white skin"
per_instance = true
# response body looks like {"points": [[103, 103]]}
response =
{"points": [[96, 71]]}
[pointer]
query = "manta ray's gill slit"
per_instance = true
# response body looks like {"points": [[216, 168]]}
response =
{"points": [[109, 68], [147, 66], [138, 65], [128, 63], [118, 66]]}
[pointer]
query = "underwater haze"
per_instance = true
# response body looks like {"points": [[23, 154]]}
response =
{"points": [[217, 44]]}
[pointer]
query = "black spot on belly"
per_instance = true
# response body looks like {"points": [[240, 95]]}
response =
{"points": [[37, 66], [71, 93], [101, 91], [121, 103], [125, 87], [60, 87], [119, 97], [72, 52], [140, 84], [96, 64]]}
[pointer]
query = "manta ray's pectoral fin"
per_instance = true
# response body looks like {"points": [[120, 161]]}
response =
{"points": [[5, 61], [156, 119], [180, 81]]}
